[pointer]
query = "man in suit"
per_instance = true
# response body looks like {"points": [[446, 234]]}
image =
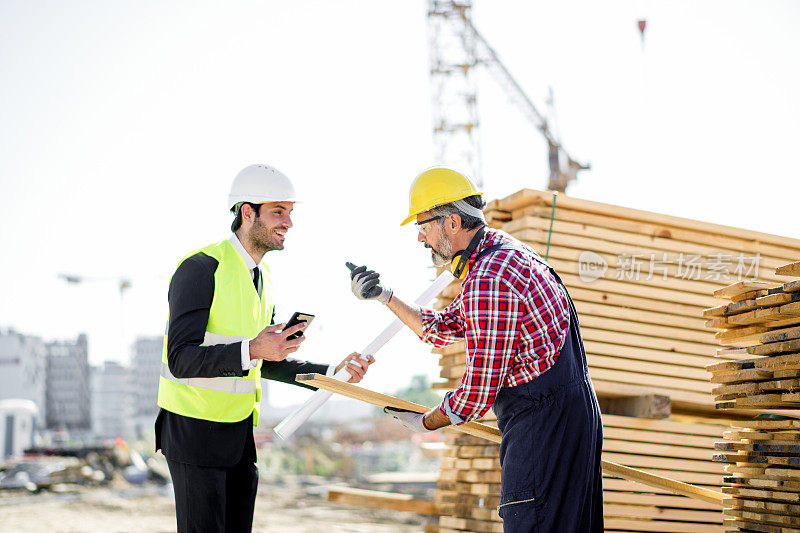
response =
{"points": [[220, 341]]}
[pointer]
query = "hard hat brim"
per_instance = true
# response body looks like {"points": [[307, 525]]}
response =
{"points": [[412, 216]]}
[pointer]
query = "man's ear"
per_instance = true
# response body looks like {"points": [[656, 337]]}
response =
{"points": [[247, 213], [454, 222]]}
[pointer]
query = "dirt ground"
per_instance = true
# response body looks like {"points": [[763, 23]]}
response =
{"points": [[279, 509]]}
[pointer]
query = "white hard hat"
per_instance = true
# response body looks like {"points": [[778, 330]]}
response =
{"points": [[258, 184]]}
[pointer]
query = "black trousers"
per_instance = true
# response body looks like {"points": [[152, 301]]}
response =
{"points": [[212, 499]]}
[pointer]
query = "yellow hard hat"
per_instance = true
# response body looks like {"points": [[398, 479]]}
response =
{"points": [[436, 186]]}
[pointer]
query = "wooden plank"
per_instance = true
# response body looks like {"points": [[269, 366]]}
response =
{"points": [[527, 197], [767, 424], [742, 287], [781, 335], [381, 500], [614, 523], [718, 311], [792, 286], [746, 336], [681, 399], [565, 261], [647, 367], [656, 500], [661, 450], [642, 406], [647, 243], [750, 295], [663, 332], [648, 354], [749, 525], [685, 442], [657, 230], [707, 429], [571, 279], [653, 383], [641, 511], [644, 341], [666, 463], [493, 435], [743, 492], [607, 310], [791, 269], [772, 348], [665, 253], [384, 400]]}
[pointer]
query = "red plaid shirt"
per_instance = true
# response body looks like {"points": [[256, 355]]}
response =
{"points": [[514, 316]]}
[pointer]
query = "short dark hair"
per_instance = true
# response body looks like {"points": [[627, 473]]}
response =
{"points": [[237, 221], [467, 221]]}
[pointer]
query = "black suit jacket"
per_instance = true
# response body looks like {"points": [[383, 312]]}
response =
{"points": [[191, 440]]}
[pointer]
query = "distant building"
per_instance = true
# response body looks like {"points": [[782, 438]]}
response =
{"points": [[23, 365], [112, 401], [67, 385], [18, 427], [146, 368]]}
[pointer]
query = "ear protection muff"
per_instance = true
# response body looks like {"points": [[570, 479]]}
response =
{"points": [[461, 258]]}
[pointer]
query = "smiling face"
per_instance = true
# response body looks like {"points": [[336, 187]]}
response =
{"points": [[268, 231]]}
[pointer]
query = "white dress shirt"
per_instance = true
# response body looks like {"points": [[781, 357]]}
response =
{"points": [[247, 363]]}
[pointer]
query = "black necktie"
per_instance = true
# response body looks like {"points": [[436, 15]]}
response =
{"points": [[255, 278]]}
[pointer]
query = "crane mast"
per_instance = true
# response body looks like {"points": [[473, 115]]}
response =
{"points": [[456, 48]]}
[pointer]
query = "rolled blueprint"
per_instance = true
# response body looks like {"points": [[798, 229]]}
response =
{"points": [[290, 424]]}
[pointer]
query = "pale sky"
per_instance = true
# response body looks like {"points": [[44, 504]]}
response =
{"points": [[124, 123]]}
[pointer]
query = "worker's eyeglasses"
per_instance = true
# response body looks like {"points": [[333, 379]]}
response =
{"points": [[422, 227]]}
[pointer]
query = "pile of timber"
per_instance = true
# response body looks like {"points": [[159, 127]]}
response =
{"points": [[645, 338], [760, 324], [468, 490], [641, 319]]}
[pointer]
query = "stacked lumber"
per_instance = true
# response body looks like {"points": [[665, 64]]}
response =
{"points": [[761, 456], [645, 336], [644, 333], [468, 490]]}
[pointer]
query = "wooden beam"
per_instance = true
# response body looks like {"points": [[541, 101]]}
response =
{"points": [[381, 500], [643, 406], [384, 400], [792, 269], [741, 287], [528, 197], [493, 435]]}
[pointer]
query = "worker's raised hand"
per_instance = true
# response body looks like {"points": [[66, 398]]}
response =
{"points": [[356, 366], [366, 284], [271, 344]]}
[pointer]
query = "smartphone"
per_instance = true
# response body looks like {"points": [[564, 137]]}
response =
{"points": [[298, 317]]}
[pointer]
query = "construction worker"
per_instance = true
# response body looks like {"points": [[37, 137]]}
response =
{"points": [[220, 340], [525, 358]]}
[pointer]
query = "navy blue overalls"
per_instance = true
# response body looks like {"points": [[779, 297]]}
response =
{"points": [[551, 477]]}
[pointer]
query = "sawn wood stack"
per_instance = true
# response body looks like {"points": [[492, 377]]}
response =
{"points": [[760, 324], [640, 282]]}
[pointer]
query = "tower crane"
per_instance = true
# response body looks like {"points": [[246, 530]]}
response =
{"points": [[456, 48]]}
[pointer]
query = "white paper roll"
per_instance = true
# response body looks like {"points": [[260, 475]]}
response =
{"points": [[290, 424]]}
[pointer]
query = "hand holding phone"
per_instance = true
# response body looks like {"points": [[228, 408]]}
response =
{"points": [[296, 318]]}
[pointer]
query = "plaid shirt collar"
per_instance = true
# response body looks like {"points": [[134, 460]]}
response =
{"points": [[490, 237]]}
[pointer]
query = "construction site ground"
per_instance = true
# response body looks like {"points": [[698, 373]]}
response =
{"points": [[288, 506]]}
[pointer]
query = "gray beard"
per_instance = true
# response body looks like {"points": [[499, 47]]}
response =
{"points": [[444, 256]]}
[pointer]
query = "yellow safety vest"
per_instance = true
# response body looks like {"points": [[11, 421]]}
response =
{"points": [[237, 313]]}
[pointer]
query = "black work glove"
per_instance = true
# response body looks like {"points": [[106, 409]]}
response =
{"points": [[366, 284]]}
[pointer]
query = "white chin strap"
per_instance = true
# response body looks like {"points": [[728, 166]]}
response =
{"points": [[469, 210]]}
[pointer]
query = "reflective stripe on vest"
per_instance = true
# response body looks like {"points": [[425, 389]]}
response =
{"points": [[221, 384], [213, 339]]}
